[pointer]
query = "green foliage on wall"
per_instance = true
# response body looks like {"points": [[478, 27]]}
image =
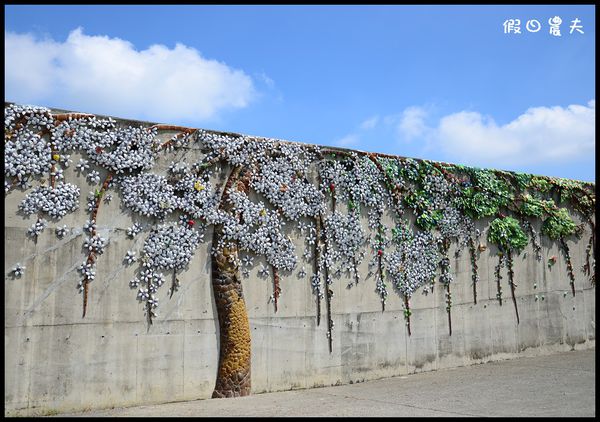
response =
{"points": [[506, 232], [559, 224]]}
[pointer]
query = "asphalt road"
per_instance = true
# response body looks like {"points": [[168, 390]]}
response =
{"points": [[561, 384]]}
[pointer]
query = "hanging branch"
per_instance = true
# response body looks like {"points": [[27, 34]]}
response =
{"points": [[332, 190], [591, 247], [565, 249], [534, 238], [593, 227], [328, 292], [317, 273], [407, 313], [149, 313], [276, 288], [509, 264], [90, 260], [92, 256], [181, 129], [174, 283], [396, 188], [354, 266], [70, 116], [499, 277], [587, 267], [184, 133], [448, 307], [53, 154], [474, 275], [445, 278], [396, 191], [380, 273]]}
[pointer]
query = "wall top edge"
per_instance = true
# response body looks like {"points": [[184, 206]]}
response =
{"points": [[134, 122]]}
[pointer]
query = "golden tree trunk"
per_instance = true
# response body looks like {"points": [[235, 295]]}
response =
{"points": [[233, 376]]}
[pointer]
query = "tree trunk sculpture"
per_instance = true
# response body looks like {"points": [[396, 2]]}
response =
{"points": [[233, 376]]}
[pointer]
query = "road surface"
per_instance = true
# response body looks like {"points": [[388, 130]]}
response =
{"points": [[561, 384]]}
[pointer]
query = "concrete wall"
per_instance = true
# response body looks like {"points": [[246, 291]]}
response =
{"points": [[56, 361]]}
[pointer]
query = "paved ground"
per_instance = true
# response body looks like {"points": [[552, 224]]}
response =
{"points": [[556, 385]]}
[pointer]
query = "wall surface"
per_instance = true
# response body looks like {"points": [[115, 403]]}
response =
{"points": [[57, 361]]}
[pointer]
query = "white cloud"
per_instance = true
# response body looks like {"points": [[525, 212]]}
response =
{"points": [[540, 135], [412, 123], [268, 81], [354, 139], [369, 123], [108, 75]]}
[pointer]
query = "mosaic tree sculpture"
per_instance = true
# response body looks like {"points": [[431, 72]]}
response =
{"points": [[322, 191]]}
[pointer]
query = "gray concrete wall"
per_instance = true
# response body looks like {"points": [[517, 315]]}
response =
{"points": [[55, 361]]}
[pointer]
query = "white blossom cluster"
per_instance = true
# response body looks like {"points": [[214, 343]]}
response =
{"points": [[152, 279], [83, 165], [37, 228], [88, 270], [179, 168], [437, 188], [317, 286], [197, 197], [148, 194], [89, 226], [309, 231], [36, 117], [237, 149], [284, 184], [357, 180], [408, 169], [130, 257], [121, 150], [245, 263], [171, 246], [134, 230], [445, 276], [95, 244], [93, 177], [259, 231], [57, 173], [379, 240], [413, 264], [345, 236], [381, 289], [56, 202], [455, 225], [73, 134], [25, 155], [61, 231], [18, 270]]}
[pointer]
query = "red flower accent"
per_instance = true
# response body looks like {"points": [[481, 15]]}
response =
{"points": [[191, 223], [379, 252], [332, 187], [99, 150]]}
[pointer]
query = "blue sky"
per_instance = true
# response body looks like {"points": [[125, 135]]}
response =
{"points": [[435, 82]]}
